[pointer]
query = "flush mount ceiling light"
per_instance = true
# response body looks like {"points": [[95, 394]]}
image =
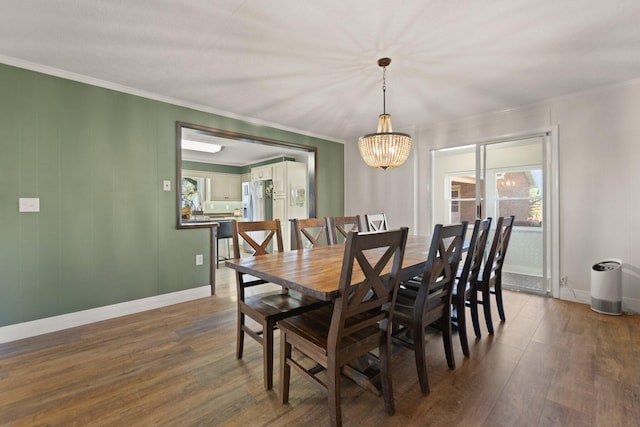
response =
{"points": [[384, 149], [201, 146]]}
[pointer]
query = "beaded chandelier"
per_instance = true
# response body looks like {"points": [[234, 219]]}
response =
{"points": [[384, 149]]}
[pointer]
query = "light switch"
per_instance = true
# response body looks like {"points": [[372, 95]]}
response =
{"points": [[28, 204], [166, 185]]}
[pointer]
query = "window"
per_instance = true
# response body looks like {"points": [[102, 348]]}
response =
{"points": [[519, 193], [462, 200]]}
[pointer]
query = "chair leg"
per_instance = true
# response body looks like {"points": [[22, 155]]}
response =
{"points": [[285, 369], [498, 291], [385, 374], [447, 340], [462, 326], [240, 335], [473, 302], [419, 349], [267, 350], [486, 305], [333, 389]]}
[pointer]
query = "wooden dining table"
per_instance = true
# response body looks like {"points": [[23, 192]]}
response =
{"points": [[316, 272]]}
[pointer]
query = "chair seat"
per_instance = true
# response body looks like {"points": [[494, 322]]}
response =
{"points": [[403, 311], [277, 306], [313, 326]]}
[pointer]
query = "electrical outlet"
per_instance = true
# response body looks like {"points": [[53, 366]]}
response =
{"points": [[563, 281], [166, 185], [199, 259]]}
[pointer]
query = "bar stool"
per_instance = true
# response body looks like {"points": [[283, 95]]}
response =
{"points": [[224, 232]]}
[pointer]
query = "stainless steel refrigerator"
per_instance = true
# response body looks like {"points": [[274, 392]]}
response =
{"points": [[257, 203]]}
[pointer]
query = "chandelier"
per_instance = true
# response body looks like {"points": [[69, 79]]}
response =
{"points": [[384, 149]]}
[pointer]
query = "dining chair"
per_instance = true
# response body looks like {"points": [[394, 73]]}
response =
{"points": [[420, 304], [265, 308], [461, 292], [341, 225], [489, 281], [312, 232], [357, 322], [376, 222]]}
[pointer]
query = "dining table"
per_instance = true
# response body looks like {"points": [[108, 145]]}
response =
{"points": [[316, 272]]}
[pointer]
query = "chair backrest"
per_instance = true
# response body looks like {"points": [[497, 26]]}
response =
{"points": [[440, 270], [311, 232], [376, 222], [342, 225], [495, 259], [259, 235], [475, 254], [369, 301]]}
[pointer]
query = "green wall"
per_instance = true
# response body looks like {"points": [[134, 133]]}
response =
{"points": [[106, 231]]}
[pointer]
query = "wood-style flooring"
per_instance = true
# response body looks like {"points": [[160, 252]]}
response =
{"points": [[552, 363]]}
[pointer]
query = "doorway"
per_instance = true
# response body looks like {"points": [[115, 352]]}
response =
{"points": [[502, 178]]}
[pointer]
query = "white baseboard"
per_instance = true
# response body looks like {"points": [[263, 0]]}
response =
{"points": [[56, 323], [629, 305]]}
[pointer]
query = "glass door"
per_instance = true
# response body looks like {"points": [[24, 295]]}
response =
{"points": [[500, 179]]}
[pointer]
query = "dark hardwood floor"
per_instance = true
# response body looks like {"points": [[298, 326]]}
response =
{"points": [[551, 363]]}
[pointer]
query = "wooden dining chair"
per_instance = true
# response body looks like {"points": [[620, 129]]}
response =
{"points": [[312, 232], [376, 222], [268, 307], [489, 281], [461, 293], [341, 225], [357, 322], [420, 304]]}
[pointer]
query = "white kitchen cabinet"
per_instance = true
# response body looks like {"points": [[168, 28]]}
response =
{"points": [[260, 173], [225, 186], [290, 194], [279, 179]]}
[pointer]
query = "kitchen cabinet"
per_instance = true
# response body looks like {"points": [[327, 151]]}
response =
{"points": [[279, 179], [226, 186], [260, 173], [213, 186], [289, 195]]}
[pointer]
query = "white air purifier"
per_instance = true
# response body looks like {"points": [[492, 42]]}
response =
{"points": [[606, 287]]}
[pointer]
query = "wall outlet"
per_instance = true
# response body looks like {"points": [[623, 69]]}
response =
{"points": [[199, 259], [166, 185], [563, 281]]}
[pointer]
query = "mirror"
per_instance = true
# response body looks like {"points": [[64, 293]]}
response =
{"points": [[245, 172]]}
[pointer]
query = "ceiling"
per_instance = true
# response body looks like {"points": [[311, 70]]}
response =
{"points": [[310, 66], [236, 152]]}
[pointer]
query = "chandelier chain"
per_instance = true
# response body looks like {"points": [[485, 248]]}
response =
{"points": [[384, 90]]}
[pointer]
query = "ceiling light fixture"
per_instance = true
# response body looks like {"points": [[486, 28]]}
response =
{"points": [[201, 146], [384, 149]]}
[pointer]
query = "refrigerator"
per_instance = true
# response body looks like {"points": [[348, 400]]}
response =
{"points": [[257, 203]]}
